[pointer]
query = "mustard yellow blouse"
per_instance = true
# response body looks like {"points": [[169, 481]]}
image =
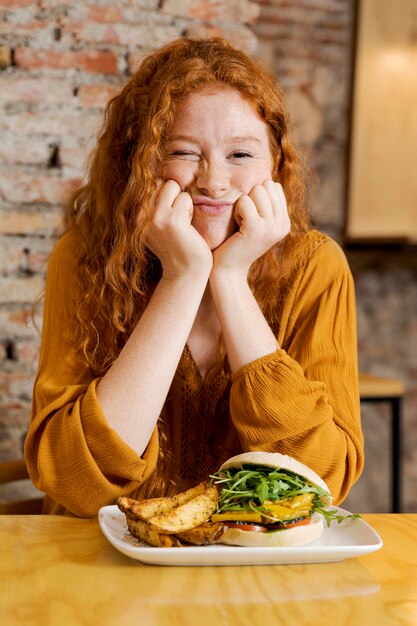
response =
{"points": [[302, 400]]}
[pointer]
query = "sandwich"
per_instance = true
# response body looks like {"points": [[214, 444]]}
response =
{"points": [[270, 499], [254, 499]]}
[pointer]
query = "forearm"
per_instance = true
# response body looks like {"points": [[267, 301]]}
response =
{"points": [[133, 391], [275, 408], [305, 399], [246, 332]]}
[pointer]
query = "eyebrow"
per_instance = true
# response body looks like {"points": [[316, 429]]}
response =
{"points": [[236, 139]]}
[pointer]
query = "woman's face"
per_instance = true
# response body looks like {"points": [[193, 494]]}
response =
{"points": [[218, 149]]}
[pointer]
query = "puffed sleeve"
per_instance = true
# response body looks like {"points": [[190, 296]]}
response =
{"points": [[72, 454], [303, 399]]}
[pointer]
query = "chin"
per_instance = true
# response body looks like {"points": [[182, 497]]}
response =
{"points": [[215, 234], [213, 244]]}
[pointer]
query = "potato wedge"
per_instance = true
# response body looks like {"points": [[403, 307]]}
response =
{"points": [[141, 530], [206, 534], [189, 515], [144, 509], [127, 506]]}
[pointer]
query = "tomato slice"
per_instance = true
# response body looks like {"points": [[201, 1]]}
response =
{"points": [[258, 528], [300, 522]]}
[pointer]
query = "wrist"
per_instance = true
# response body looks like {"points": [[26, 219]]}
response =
{"points": [[197, 268], [223, 276], [186, 275]]}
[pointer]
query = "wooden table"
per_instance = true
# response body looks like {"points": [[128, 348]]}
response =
{"points": [[62, 571]]}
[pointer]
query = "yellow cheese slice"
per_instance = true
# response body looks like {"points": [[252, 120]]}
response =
{"points": [[299, 506]]}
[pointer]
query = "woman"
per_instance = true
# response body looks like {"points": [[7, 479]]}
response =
{"points": [[190, 311]]}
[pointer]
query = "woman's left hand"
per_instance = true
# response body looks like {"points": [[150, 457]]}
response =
{"points": [[263, 221]]}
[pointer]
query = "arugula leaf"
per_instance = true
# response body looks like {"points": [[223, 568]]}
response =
{"points": [[246, 489], [262, 489], [331, 515], [250, 486]]}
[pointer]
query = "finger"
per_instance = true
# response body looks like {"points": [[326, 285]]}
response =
{"points": [[168, 193], [246, 212], [280, 207], [183, 205], [260, 197], [159, 182], [277, 197], [282, 194], [237, 217]]}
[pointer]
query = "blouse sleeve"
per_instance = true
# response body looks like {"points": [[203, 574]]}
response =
{"points": [[303, 400], [72, 454]]}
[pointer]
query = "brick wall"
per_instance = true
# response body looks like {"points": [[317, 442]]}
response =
{"points": [[61, 60], [308, 43]]}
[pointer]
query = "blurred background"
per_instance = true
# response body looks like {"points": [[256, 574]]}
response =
{"points": [[349, 70]]}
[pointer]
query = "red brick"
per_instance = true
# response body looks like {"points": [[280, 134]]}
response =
{"points": [[91, 32], [104, 14], [5, 56], [15, 413], [15, 4], [26, 351], [37, 255], [149, 35], [18, 186], [17, 383], [241, 36], [50, 4], [35, 90], [87, 60], [58, 124], [25, 29], [135, 10], [97, 95], [22, 222], [35, 34], [24, 254], [18, 323], [73, 156], [231, 11], [22, 321], [24, 150], [21, 289]]}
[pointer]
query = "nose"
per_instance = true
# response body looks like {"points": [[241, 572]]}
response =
{"points": [[212, 179]]}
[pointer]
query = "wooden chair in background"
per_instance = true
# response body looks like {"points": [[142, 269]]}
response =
{"points": [[11, 471], [373, 389]]}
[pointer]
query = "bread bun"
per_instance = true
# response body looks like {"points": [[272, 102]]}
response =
{"points": [[296, 536], [281, 461]]}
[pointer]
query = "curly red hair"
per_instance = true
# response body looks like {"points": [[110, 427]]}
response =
{"points": [[111, 211]]}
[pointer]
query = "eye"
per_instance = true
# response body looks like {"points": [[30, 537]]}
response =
{"points": [[185, 154], [241, 154]]}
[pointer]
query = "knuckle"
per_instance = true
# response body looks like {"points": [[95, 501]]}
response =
{"points": [[172, 184], [256, 190]]}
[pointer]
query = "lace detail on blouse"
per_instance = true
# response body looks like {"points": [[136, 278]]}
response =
{"points": [[205, 418]]}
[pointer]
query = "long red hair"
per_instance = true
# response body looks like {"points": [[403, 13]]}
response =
{"points": [[111, 212]]}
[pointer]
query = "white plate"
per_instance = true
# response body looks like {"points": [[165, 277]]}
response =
{"points": [[350, 538]]}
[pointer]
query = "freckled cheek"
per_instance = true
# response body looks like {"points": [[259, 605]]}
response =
{"points": [[246, 178], [183, 173]]}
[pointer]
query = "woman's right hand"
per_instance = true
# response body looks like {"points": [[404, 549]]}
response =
{"points": [[171, 236]]}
